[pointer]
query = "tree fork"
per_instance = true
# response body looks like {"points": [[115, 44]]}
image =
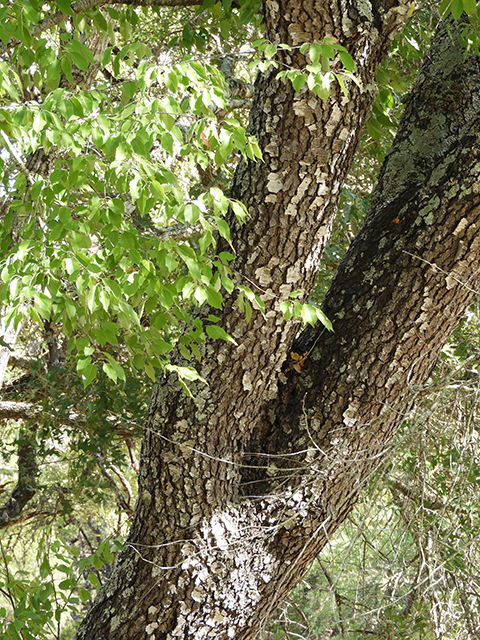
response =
{"points": [[207, 557]]}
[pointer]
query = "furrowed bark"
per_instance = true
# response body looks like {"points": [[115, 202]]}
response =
{"points": [[398, 295], [190, 477]]}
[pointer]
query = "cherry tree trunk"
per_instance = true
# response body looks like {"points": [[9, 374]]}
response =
{"points": [[242, 484]]}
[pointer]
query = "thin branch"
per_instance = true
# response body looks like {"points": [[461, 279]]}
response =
{"points": [[20, 411], [18, 158], [8, 339], [120, 498], [125, 483], [173, 232], [133, 457], [22, 362], [83, 5], [426, 502], [237, 88], [337, 596]]}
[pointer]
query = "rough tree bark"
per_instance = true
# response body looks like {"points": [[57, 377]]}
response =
{"points": [[241, 486]]}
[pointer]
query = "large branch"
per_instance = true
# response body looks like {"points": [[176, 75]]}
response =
{"points": [[398, 295], [31, 412]]}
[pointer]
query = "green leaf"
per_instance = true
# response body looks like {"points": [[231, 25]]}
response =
{"points": [[85, 595], [187, 373], [309, 314], [93, 579], [217, 332], [248, 311], [347, 60], [270, 51], [65, 6], [445, 8], [470, 6], [298, 82], [225, 29], [88, 374], [324, 320], [43, 304], [184, 351], [315, 52], [457, 8], [79, 60], [285, 308], [110, 371], [214, 298], [223, 229]]}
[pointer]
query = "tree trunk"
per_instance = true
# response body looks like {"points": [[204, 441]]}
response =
{"points": [[242, 485]]}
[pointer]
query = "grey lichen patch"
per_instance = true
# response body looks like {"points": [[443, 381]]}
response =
{"points": [[294, 274], [151, 628], [303, 109], [272, 149], [364, 8], [147, 498], [115, 623], [370, 275]]}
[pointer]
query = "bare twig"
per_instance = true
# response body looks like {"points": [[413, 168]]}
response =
{"points": [[120, 499]]}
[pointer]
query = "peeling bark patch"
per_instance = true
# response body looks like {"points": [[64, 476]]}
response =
{"points": [[275, 183]]}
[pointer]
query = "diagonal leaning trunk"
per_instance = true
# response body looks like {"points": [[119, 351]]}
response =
{"points": [[243, 484]]}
